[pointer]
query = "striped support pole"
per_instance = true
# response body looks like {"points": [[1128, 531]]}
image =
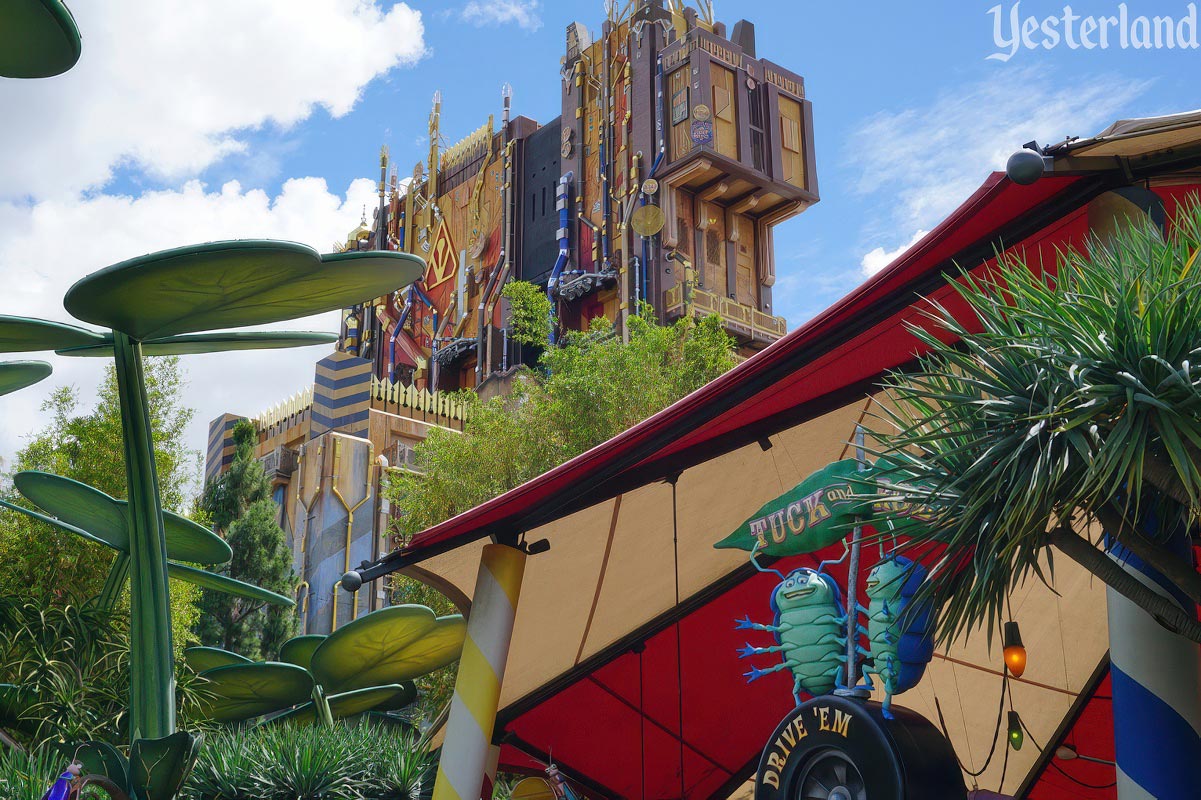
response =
{"points": [[1156, 674], [481, 671], [1156, 678]]}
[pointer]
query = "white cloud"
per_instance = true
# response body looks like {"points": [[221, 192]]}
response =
{"points": [[45, 247], [523, 13], [875, 260], [930, 159], [168, 86]]}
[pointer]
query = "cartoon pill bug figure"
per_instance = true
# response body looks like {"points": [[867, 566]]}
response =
{"points": [[810, 631], [900, 634]]}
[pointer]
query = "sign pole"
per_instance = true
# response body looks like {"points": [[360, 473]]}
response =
{"points": [[853, 579]]}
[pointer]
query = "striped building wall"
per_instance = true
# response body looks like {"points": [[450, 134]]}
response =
{"points": [[220, 451], [341, 395]]}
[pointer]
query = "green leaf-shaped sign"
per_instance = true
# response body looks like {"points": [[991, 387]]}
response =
{"points": [[817, 512], [38, 39], [201, 659], [299, 649], [897, 507], [245, 691], [105, 518], [25, 335], [392, 645], [218, 342], [232, 285], [226, 585], [159, 767], [347, 704], [99, 758], [15, 375]]}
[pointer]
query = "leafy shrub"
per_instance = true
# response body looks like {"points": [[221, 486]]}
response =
{"points": [[71, 664], [27, 776], [283, 762]]}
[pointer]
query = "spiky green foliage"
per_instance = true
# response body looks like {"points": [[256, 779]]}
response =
{"points": [[72, 666], [239, 505], [26, 775], [361, 762], [1074, 396]]}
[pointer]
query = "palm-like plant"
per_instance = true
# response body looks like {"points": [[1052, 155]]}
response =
{"points": [[1073, 397]]}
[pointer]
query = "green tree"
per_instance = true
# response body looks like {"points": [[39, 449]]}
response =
{"points": [[238, 504], [1071, 403], [50, 567], [591, 388]]}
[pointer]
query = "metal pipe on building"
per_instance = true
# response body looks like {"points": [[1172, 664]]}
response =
{"points": [[562, 204]]}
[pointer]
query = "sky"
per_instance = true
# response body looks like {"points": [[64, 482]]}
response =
{"points": [[187, 122]]}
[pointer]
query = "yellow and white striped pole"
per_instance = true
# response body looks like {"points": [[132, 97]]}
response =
{"points": [[481, 672]]}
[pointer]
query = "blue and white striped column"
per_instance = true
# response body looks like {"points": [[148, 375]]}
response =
{"points": [[1156, 674], [1156, 678]]}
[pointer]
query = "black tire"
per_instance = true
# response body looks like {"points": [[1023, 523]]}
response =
{"points": [[833, 748]]}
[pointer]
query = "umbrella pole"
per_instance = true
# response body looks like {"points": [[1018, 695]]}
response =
{"points": [[151, 660], [481, 672]]}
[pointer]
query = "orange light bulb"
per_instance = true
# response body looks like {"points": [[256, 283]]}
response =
{"points": [[1015, 651]]}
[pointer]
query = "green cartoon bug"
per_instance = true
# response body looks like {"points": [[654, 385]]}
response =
{"points": [[810, 631], [900, 633]]}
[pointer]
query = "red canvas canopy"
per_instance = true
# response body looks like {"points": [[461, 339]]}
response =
{"points": [[623, 664]]}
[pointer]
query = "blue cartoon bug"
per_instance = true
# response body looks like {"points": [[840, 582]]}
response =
{"points": [[810, 631], [900, 633]]}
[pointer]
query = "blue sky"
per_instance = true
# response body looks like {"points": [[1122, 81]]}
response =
{"points": [[205, 120]]}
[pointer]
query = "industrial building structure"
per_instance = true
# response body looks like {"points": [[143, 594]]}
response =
{"points": [[677, 151]]}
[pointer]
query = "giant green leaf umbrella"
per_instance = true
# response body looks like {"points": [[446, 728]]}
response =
{"points": [[232, 285], [38, 39], [221, 341], [107, 518], [16, 375], [179, 301], [244, 691], [347, 704], [392, 645]]}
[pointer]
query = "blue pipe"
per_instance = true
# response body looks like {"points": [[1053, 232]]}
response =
{"points": [[561, 202], [414, 293]]}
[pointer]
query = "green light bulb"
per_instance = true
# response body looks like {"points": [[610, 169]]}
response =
{"points": [[1016, 737]]}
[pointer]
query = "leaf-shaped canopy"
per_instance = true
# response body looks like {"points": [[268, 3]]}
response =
{"points": [[206, 658], [39, 39], [16, 375], [347, 704], [232, 285], [193, 343], [159, 767], [245, 691], [25, 334], [392, 645], [105, 518], [299, 649], [226, 585]]}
